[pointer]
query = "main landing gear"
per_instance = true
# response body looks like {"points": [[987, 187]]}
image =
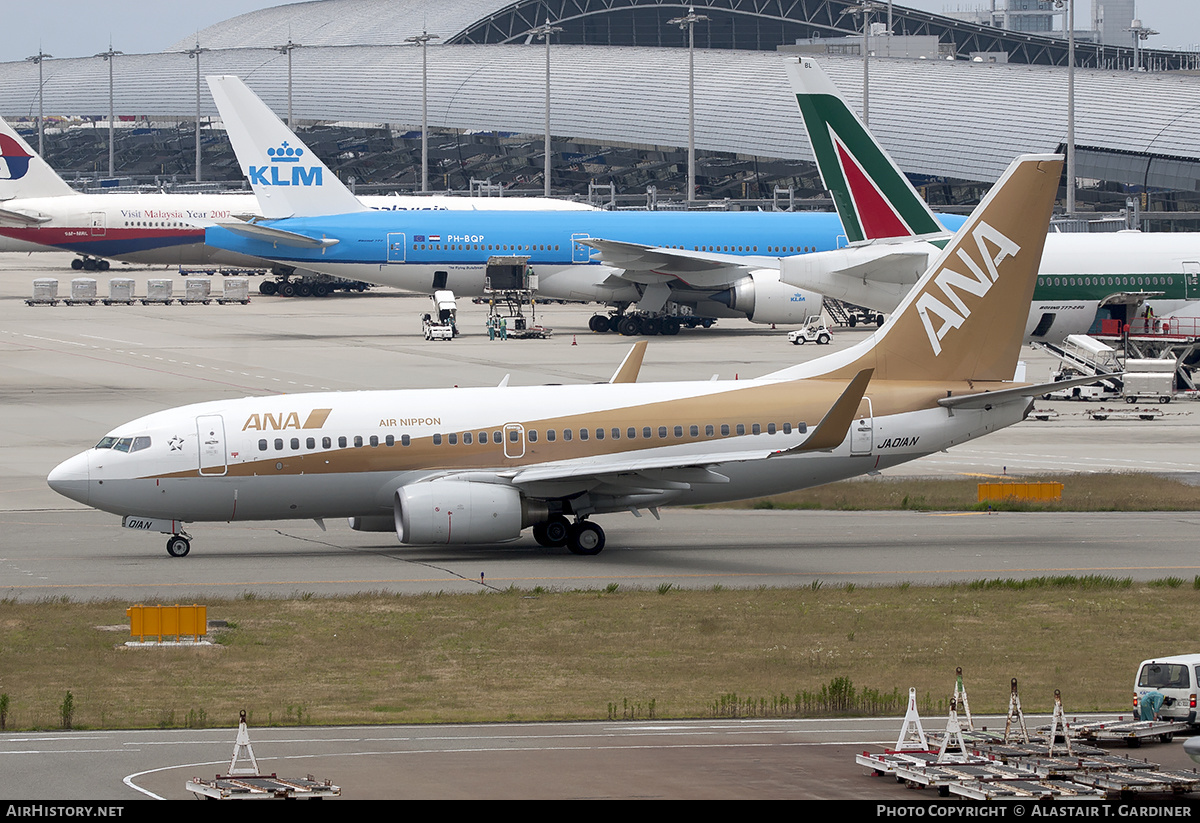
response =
{"points": [[581, 537], [632, 324], [178, 545], [86, 263]]}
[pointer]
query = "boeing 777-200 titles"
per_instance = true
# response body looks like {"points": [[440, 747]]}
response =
{"points": [[479, 465]]}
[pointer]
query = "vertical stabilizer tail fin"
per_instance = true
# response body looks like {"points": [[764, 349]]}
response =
{"points": [[873, 197], [23, 173], [285, 174], [966, 317]]}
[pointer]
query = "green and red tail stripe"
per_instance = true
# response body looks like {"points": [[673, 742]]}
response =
{"points": [[872, 196]]}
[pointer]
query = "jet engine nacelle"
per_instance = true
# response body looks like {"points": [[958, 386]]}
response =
{"points": [[462, 511], [764, 299]]}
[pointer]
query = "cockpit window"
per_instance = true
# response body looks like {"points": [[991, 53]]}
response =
{"points": [[124, 444]]}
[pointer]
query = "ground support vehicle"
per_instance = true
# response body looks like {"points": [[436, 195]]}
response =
{"points": [[814, 331]]}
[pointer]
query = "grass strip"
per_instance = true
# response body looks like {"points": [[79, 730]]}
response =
{"points": [[600, 654]]}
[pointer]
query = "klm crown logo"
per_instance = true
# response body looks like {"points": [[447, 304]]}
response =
{"points": [[278, 175]]}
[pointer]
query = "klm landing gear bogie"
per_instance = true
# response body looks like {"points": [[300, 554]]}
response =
{"points": [[633, 324]]}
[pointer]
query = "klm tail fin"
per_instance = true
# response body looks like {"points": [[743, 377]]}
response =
{"points": [[23, 173], [286, 176], [872, 196], [966, 316]]}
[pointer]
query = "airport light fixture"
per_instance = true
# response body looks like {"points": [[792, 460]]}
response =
{"points": [[865, 7], [689, 22], [287, 48], [37, 60], [194, 54], [1068, 7], [108, 57], [423, 39], [1140, 33], [543, 32]]}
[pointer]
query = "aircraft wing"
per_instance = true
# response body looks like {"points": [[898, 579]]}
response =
{"points": [[641, 475], [22, 218], [655, 264]]}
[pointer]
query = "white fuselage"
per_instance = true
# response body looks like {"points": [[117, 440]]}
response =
{"points": [[346, 454], [1078, 274]]}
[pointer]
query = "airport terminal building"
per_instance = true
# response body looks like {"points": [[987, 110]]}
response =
{"points": [[953, 108]]}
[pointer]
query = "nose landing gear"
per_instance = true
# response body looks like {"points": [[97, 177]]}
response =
{"points": [[178, 545]]}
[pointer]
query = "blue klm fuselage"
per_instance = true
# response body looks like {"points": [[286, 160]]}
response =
{"points": [[405, 249]]}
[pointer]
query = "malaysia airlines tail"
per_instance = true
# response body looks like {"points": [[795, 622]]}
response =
{"points": [[287, 177], [965, 318], [872, 196], [23, 173]]}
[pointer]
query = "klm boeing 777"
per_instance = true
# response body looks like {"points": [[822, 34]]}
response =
{"points": [[659, 269]]}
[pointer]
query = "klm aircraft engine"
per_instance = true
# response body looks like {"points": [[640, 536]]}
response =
{"points": [[764, 299], [463, 511]]}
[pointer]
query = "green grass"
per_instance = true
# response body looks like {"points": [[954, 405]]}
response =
{"points": [[606, 653]]}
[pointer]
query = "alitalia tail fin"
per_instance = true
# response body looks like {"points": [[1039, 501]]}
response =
{"points": [[965, 318], [23, 173], [872, 196], [286, 176]]}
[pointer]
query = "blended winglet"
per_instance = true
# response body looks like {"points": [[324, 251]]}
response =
{"points": [[831, 431], [628, 371]]}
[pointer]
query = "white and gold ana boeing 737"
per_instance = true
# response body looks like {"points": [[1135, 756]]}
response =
{"points": [[470, 466]]}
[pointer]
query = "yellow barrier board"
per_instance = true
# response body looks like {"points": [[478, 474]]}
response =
{"points": [[157, 622], [1020, 491]]}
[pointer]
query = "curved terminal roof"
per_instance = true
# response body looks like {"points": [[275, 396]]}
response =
{"points": [[343, 23], [954, 119]]}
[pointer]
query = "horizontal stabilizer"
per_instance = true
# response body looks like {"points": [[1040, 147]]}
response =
{"points": [[987, 399], [7, 216], [257, 231]]}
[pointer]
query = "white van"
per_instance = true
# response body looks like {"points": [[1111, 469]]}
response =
{"points": [[1177, 678]]}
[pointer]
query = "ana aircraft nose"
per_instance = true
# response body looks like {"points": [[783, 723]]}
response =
{"points": [[70, 478]]}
